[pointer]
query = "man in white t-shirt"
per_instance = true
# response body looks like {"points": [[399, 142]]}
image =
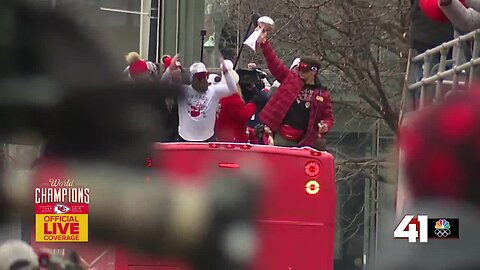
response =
{"points": [[198, 105]]}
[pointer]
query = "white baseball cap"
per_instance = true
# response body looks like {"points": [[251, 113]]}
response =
{"points": [[265, 19], [197, 68]]}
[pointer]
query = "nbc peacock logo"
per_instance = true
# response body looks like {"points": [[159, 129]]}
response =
{"points": [[442, 228]]}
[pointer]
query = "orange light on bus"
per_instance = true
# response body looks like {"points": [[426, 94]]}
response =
{"points": [[312, 169], [312, 187]]}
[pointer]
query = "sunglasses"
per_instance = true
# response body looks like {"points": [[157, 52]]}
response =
{"points": [[201, 75], [306, 67]]}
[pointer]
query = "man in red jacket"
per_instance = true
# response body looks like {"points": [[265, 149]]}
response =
{"points": [[301, 109]]}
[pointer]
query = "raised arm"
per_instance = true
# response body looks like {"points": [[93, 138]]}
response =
{"points": [[275, 65], [232, 87], [223, 90], [463, 18], [167, 75], [475, 4]]}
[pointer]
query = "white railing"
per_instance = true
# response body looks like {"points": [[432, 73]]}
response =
{"points": [[453, 75], [459, 76]]}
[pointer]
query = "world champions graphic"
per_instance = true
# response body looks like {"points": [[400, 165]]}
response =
{"points": [[61, 212]]}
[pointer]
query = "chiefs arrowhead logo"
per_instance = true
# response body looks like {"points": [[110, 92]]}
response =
{"points": [[61, 209]]}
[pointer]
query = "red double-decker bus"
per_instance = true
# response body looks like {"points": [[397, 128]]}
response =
{"points": [[296, 213]]}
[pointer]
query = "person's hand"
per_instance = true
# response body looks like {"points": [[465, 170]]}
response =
{"points": [[173, 64], [268, 131], [222, 65], [271, 141], [252, 65], [226, 65], [263, 35], [322, 128]]}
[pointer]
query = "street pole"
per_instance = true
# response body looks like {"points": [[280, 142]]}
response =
{"points": [[202, 36], [253, 22]]}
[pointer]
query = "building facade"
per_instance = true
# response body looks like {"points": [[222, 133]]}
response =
{"points": [[151, 27]]}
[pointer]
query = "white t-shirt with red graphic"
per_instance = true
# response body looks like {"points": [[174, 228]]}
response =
{"points": [[197, 112]]}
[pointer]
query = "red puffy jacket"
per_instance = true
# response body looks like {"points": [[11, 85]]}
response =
{"points": [[231, 124], [277, 107]]}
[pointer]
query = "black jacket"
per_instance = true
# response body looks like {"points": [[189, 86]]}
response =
{"points": [[425, 33]]}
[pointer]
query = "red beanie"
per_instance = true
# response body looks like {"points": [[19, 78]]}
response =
{"points": [[442, 149], [137, 68], [431, 9]]}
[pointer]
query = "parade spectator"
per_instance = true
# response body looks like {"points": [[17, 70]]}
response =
{"points": [[139, 69], [251, 85], [233, 116], [17, 255], [166, 61], [441, 161], [441, 154], [425, 34], [465, 19], [197, 108], [263, 76], [179, 75], [301, 110]]}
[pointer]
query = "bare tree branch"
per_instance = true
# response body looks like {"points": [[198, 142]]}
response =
{"points": [[363, 49]]}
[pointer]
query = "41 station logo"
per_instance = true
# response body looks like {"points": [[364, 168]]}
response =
{"points": [[423, 228]]}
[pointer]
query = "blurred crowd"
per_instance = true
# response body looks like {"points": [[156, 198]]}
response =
{"points": [[18, 255], [439, 144]]}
